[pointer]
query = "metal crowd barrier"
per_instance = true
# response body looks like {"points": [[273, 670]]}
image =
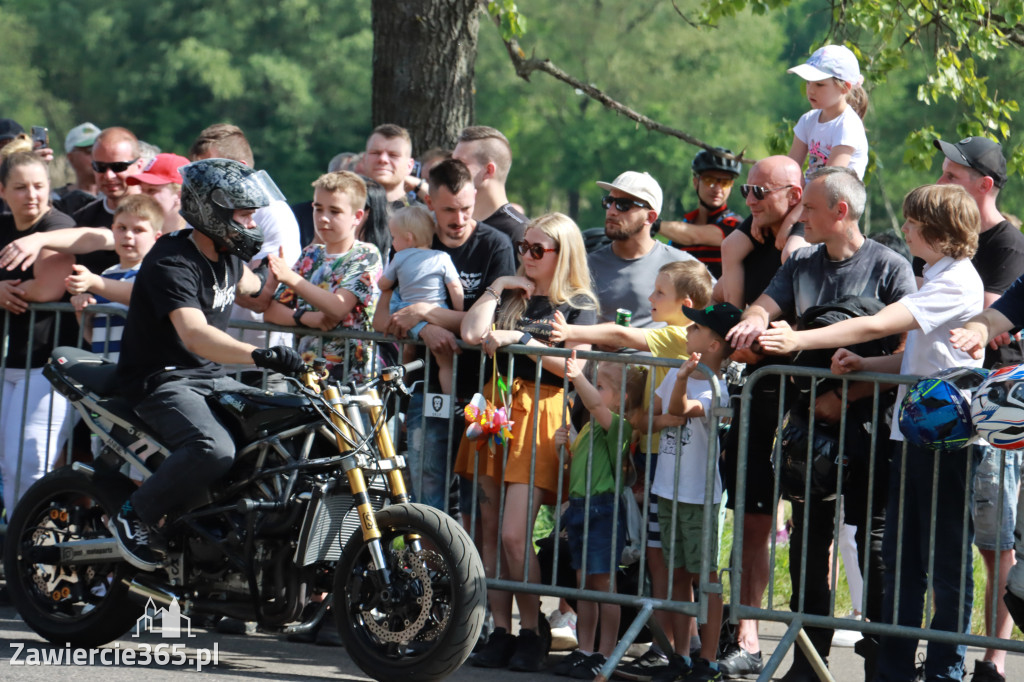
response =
{"points": [[639, 598]]}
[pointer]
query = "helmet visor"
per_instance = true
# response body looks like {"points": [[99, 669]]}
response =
{"points": [[255, 190]]}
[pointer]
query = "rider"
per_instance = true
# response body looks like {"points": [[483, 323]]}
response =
{"points": [[174, 341], [703, 229]]}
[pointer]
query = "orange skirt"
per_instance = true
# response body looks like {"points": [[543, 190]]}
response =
{"points": [[474, 455]]}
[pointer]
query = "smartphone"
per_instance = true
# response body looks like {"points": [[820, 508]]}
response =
{"points": [[40, 137], [416, 167]]}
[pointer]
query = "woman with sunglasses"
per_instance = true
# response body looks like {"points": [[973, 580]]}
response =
{"points": [[27, 398], [553, 276]]}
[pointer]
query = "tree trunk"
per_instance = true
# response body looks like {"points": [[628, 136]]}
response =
{"points": [[424, 59]]}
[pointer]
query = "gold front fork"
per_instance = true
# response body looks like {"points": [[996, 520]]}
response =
{"points": [[356, 481]]}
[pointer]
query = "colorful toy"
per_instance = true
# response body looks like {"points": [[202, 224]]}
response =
{"points": [[487, 422]]}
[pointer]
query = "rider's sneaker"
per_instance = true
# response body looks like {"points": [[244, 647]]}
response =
{"points": [[644, 668], [740, 664], [141, 544], [497, 652]]}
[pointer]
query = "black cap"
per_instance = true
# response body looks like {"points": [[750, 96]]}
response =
{"points": [[9, 129], [719, 318], [979, 153]]}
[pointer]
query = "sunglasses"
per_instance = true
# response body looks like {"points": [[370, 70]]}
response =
{"points": [[536, 251], [115, 166], [708, 181], [759, 191], [622, 204]]}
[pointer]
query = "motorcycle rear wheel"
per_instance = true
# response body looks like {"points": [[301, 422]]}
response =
{"points": [[427, 626], [86, 605]]}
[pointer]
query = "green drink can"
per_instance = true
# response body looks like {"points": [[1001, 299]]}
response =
{"points": [[623, 317]]}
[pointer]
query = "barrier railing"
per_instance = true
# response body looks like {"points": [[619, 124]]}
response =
{"points": [[638, 597]]}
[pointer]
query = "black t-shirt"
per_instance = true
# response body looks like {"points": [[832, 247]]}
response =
{"points": [[95, 214], [42, 341], [486, 256], [174, 275], [999, 262], [508, 221], [536, 320], [761, 264], [70, 200]]}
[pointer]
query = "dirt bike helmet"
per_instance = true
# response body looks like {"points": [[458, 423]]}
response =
{"points": [[936, 411], [710, 161], [213, 189], [998, 408]]}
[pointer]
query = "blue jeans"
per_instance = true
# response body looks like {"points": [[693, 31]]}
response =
{"points": [[431, 460], [397, 304], [993, 526], [955, 471]]}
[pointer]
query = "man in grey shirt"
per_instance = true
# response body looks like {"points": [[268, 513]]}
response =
{"points": [[624, 271]]}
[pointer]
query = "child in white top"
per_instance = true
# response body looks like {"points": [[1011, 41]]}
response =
{"points": [[420, 274]]}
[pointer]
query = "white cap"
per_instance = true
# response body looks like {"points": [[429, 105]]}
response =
{"points": [[639, 185], [831, 61], [81, 136]]}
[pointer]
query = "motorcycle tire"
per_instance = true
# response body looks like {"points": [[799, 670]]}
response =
{"points": [[85, 605], [426, 625]]}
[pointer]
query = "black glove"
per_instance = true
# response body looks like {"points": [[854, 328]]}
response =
{"points": [[282, 359]]}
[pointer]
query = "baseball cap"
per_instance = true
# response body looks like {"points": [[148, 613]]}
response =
{"points": [[639, 185], [163, 169], [831, 61], [82, 135], [719, 318], [9, 129], [979, 153]]}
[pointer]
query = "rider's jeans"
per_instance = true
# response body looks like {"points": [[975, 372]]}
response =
{"points": [[202, 448]]}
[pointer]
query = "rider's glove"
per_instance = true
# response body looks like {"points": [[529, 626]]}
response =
{"points": [[282, 359]]}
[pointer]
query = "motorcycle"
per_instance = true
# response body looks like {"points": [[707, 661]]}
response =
{"points": [[315, 502]]}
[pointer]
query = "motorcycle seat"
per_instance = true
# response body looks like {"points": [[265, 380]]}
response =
{"points": [[91, 371]]}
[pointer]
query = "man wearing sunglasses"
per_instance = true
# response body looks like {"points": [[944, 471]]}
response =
{"points": [[702, 230], [624, 271]]}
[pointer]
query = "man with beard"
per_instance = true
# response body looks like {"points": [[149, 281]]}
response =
{"points": [[624, 271]]}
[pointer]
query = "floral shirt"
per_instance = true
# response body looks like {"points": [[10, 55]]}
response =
{"points": [[357, 272]]}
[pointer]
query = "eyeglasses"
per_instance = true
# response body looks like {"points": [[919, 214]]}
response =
{"points": [[115, 166], [536, 251], [759, 191], [708, 181], [622, 204]]}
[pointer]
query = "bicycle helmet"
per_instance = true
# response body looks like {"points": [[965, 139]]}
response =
{"points": [[710, 161], [936, 411], [213, 189], [998, 408]]}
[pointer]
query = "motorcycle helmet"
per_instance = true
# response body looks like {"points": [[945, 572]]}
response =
{"points": [[710, 161], [824, 468], [998, 408], [936, 412], [213, 189]]}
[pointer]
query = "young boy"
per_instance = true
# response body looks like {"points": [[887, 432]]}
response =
{"points": [[332, 284], [942, 225], [679, 284], [680, 483], [419, 273], [137, 224], [595, 457]]}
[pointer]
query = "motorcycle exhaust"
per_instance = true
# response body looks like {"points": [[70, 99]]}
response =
{"points": [[144, 592]]}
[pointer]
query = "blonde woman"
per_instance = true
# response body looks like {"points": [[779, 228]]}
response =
{"points": [[553, 276]]}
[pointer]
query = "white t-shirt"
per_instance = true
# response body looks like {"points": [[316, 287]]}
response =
{"points": [[280, 229], [846, 129], [690, 467], [951, 295]]}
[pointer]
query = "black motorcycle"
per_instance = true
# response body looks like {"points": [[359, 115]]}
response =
{"points": [[314, 503]]}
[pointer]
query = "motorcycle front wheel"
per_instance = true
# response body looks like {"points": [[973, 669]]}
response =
{"points": [[424, 624], [86, 605]]}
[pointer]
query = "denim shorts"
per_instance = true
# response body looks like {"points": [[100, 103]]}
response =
{"points": [[992, 532], [599, 537]]}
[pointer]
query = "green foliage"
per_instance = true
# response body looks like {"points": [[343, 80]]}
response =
{"points": [[511, 21]]}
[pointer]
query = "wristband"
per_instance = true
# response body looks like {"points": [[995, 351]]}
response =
{"points": [[493, 293], [525, 338], [419, 186], [297, 316]]}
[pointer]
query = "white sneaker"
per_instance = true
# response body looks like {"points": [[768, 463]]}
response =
{"points": [[848, 638], [563, 631]]}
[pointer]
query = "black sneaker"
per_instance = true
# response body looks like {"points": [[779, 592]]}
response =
{"points": [[676, 669], [740, 664], [644, 668], [529, 655], [985, 671], [140, 543], [564, 667], [497, 652], [590, 668], [702, 671]]}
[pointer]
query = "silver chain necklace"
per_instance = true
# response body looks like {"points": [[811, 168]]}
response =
{"points": [[206, 260]]}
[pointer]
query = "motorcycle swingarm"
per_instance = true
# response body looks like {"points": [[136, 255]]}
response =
{"points": [[100, 550]]}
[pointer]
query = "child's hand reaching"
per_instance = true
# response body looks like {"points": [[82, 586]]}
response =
{"points": [[572, 368], [562, 435], [282, 269], [559, 328], [82, 301], [845, 361], [691, 364]]}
